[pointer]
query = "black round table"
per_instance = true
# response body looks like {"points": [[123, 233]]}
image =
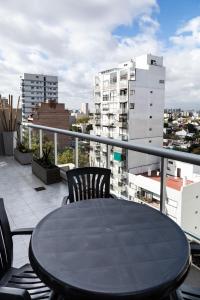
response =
{"points": [[109, 249]]}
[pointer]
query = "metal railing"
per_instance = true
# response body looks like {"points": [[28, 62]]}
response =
{"points": [[164, 154]]}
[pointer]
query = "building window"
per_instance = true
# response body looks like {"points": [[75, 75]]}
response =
{"points": [[151, 92], [151, 104], [149, 141], [170, 162], [32, 87], [32, 98], [161, 81], [150, 129], [123, 92], [153, 62], [105, 97], [132, 92], [132, 105], [113, 78], [33, 103], [150, 117], [123, 75]]}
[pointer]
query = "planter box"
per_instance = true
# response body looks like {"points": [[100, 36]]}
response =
{"points": [[23, 158], [9, 141], [48, 176]]}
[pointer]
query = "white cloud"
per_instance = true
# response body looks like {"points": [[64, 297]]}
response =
{"points": [[74, 40], [183, 72]]}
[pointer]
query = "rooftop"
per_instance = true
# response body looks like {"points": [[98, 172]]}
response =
{"points": [[24, 205], [175, 183]]}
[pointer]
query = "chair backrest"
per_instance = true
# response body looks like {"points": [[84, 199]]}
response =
{"points": [[88, 183], [6, 244]]}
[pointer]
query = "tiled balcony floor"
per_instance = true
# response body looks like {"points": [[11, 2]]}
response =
{"points": [[26, 207]]}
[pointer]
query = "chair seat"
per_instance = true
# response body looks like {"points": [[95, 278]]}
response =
{"points": [[25, 278]]}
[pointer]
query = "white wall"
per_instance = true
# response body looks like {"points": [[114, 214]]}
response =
{"points": [[190, 211], [174, 197], [192, 172], [139, 162]]}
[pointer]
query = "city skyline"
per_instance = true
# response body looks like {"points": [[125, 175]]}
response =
{"points": [[70, 41]]}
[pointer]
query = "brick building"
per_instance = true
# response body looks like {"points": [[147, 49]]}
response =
{"points": [[52, 114]]}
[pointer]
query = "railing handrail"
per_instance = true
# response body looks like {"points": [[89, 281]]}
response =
{"points": [[152, 150]]}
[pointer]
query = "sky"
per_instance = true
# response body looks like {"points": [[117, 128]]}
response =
{"points": [[76, 39]]}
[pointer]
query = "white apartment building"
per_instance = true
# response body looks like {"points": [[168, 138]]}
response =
{"points": [[36, 88], [129, 106], [182, 198], [183, 170]]}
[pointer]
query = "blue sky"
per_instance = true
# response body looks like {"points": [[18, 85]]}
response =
{"points": [[171, 15], [76, 39], [174, 13]]}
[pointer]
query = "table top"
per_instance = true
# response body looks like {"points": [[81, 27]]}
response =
{"points": [[109, 247]]}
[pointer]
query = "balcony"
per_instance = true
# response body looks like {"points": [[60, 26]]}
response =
{"points": [[98, 111], [97, 99], [123, 136], [25, 206], [123, 98], [123, 124], [122, 110], [97, 122]]}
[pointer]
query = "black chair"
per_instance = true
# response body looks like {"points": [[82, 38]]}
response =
{"points": [[22, 283], [87, 183], [190, 289]]}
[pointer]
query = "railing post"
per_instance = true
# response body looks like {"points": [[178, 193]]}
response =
{"points": [[29, 138], [76, 152], [40, 131], [55, 148], [108, 156], [163, 193], [21, 133]]}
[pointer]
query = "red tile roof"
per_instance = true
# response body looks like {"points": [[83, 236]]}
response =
{"points": [[175, 183]]}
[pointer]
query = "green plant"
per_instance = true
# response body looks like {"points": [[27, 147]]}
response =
{"points": [[66, 156], [21, 146], [46, 160]]}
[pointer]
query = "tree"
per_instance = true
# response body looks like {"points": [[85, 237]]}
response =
{"points": [[88, 128], [82, 120], [67, 156], [75, 128], [195, 149], [191, 128], [83, 158]]}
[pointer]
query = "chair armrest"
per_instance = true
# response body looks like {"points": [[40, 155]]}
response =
{"points": [[8, 293], [186, 291], [194, 248], [22, 231], [65, 201], [113, 196]]}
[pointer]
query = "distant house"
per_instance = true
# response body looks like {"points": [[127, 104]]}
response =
{"points": [[181, 133]]}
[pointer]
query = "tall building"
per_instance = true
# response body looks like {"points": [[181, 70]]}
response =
{"points": [[85, 108], [36, 88], [129, 106]]}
